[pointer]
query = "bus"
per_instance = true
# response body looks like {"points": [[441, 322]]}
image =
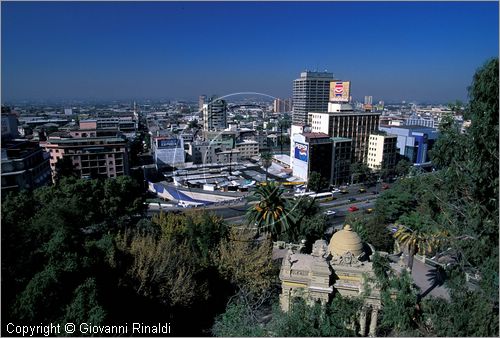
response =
{"points": [[303, 194], [323, 196]]}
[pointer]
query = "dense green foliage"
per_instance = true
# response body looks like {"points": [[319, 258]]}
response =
{"points": [[55, 244], [340, 318], [309, 223], [458, 205], [81, 251], [316, 182]]}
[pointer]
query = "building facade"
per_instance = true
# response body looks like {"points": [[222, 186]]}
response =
{"points": [[342, 267], [341, 160], [382, 151], [414, 142], [168, 151], [282, 106], [356, 126], [311, 92], [91, 156], [25, 166], [247, 148], [215, 115], [9, 125], [312, 152], [201, 101]]}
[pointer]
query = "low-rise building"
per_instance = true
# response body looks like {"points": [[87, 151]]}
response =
{"points": [[24, 166], [168, 151], [414, 142], [247, 148], [341, 267], [9, 124], [91, 156]]}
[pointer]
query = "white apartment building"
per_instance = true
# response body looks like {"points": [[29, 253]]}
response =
{"points": [[382, 151]]}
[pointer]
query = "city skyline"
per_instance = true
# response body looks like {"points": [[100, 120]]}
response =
{"points": [[392, 51]]}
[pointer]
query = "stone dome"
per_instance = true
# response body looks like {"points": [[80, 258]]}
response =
{"points": [[345, 240]]}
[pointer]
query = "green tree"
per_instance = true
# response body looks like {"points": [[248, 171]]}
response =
{"points": [[245, 261], [266, 160], [316, 182], [272, 214], [236, 322], [193, 124], [161, 268], [309, 223], [448, 318], [416, 235], [400, 313], [403, 167], [372, 229], [201, 231], [360, 173], [337, 319]]}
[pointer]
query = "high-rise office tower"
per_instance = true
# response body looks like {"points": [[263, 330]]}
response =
{"points": [[201, 101], [215, 115], [282, 105], [368, 106], [310, 93]]}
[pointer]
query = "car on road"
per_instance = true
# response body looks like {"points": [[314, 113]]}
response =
{"points": [[353, 208], [344, 191], [369, 210], [361, 190], [335, 190], [330, 213], [351, 199], [385, 186]]}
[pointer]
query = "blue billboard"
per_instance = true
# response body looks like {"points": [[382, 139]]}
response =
{"points": [[301, 151], [169, 143]]}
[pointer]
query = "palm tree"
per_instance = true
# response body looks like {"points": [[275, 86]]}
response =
{"points": [[417, 241], [272, 213], [266, 160]]}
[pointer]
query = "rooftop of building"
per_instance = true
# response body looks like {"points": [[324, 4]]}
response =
{"points": [[315, 135], [85, 140], [345, 240], [341, 139], [315, 74], [18, 148], [346, 113], [410, 127], [247, 142]]}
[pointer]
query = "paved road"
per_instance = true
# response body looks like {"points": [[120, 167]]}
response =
{"points": [[420, 278]]}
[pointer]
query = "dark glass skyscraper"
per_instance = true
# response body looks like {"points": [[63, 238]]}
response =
{"points": [[310, 94]]}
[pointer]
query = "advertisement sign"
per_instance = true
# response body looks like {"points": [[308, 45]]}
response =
{"points": [[169, 143], [301, 151], [340, 91]]}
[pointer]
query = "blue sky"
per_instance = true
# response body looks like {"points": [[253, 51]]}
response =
{"points": [[422, 51]]}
